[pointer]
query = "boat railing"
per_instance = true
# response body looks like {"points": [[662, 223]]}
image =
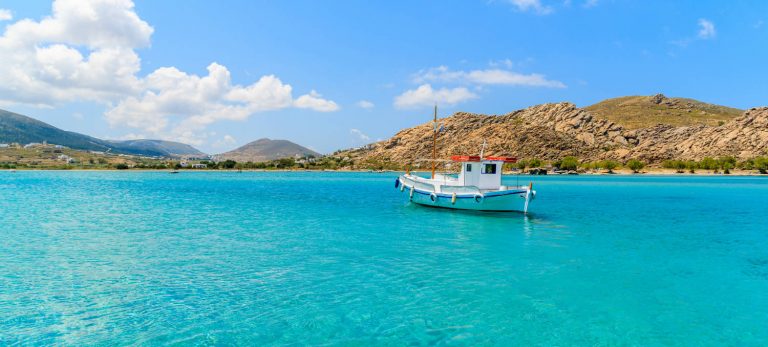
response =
{"points": [[460, 189], [421, 185], [424, 186]]}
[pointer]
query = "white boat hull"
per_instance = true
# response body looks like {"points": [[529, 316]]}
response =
{"points": [[516, 199]]}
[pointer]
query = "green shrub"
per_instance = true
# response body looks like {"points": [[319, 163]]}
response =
{"points": [[228, 164], [708, 164], [121, 166], [609, 165], [635, 165], [678, 165], [568, 163], [691, 165]]}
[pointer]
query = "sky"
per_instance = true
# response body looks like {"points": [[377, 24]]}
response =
{"points": [[339, 74]]}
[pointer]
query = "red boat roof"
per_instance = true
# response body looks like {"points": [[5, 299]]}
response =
{"points": [[473, 158], [504, 159], [465, 158]]}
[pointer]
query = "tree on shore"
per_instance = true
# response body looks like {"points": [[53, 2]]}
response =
{"points": [[610, 165], [568, 163], [635, 165], [678, 165], [726, 164], [708, 163], [691, 165], [522, 164]]}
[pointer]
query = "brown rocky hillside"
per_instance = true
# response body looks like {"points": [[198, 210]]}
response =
{"points": [[552, 131]]}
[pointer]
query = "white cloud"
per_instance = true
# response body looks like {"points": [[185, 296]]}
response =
{"points": [[365, 104], [531, 5], [314, 101], [360, 135], [591, 3], [486, 77], [86, 51], [425, 95], [758, 24], [5, 14], [706, 29]]}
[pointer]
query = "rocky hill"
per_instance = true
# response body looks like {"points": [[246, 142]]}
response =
{"points": [[552, 131], [16, 128], [266, 150], [635, 112], [743, 138]]}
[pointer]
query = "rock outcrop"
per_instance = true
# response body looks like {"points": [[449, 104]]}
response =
{"points": [[744, 137]]}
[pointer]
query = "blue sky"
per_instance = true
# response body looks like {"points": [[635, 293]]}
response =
{"points": [[339, 74]]}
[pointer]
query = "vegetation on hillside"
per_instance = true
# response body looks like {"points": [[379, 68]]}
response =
{"points": [[634, 112]]}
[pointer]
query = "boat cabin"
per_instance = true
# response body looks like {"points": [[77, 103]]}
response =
{"points": [[483, 173]]}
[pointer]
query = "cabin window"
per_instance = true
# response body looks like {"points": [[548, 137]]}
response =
{"points": [[489, 169], [469, 167]]}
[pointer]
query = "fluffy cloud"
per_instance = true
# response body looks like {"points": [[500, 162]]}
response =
{"points": [[314, 101], [5, 14], [706, 29], [43, 63], [86, 51], [487, 77], [531, 5], [425, 95], [365, 104]]}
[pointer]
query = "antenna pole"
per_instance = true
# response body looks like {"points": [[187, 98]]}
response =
{"points": [[434, 144]]}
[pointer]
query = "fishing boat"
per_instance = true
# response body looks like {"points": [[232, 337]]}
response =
{"points": [[477, 187]]}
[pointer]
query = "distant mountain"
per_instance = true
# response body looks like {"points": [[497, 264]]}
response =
{"points": [[266, 150], [158, 147], [635, 112], [22, 129]]}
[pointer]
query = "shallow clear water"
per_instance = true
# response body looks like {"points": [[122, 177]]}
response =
{"points": [[116, 258]]}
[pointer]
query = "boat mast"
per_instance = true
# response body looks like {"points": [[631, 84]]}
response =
{"points": [[434, 144]]}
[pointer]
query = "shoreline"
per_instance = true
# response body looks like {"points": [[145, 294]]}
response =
{"points": [[659, 172]]}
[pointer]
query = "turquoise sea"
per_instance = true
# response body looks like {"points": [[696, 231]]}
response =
{"points": [[313, 258]]}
